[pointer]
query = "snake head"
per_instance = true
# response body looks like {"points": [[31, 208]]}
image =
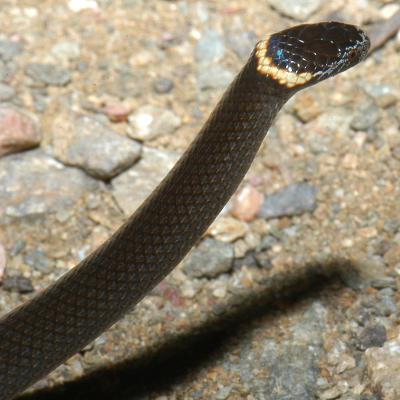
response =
{"points": [[304, 55]]}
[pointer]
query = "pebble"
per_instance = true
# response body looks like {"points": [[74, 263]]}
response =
{"points": [[372, 336], [125, 86], [240, 279], [334, 392], [365, 118], [222, 393], [210, 46], [383, 367], [247, 203], [346, 362], [52, 186], [39, 261], [227, 229], [79, 5], [384, 283], [385, 292], [116, 112], [266, 243], [190, 288], [214, 76], [350, 161], [218, 289], [307, 107], [294, 199], [142, 178], [84, 142], [240, 248], [263, 260], [209, 259], [294, 374], [396, 152], [19, 130], [383, 96], [385, 307], [299, 10], [18, 247], [66, 50], [248, 261], [242, 43], [9, 49], [17, 284], [150, 121], [48, 74], [392, 256], [7, 92], [391, 225], [163, 85]]}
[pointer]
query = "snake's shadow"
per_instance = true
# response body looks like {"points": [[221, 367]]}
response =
{"points": [[157, 370]]}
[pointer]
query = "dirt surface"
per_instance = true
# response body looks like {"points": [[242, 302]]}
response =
{"points": [[176, 347]]}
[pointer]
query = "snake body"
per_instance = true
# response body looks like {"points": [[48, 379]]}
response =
{"points": [[48, 329]]}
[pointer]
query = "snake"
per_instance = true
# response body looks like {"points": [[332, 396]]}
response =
{"points": [[55, 324]]}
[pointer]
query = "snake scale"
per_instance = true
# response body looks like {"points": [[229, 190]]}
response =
{"points": [[48, 329]]}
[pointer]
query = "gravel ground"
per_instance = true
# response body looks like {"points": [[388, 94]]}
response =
{"points": [[298, 301]]}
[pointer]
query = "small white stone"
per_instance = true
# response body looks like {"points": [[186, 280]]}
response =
{"points": [[79, 5]]}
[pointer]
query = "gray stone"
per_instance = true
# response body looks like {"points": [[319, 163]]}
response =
{"points": [[385, 292], [9, 49], [39, 261], [17, 284], [163, 85], [125, 86], [295, 199], [66, 50], [48, 74], [6, 92], [133, 186], [210, 46], [210, 259], [263, 260], [383, 96], [222, 393], [290, 372], [249, 261], [149, 121], [18, 247], [34, 183], [384, 283], [385, 307], [243, 43], [372, 336], [214, 76], [84, 142], [391, 225], [266, 243], [365, 118]]}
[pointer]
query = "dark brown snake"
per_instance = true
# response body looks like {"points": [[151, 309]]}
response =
{"points": [[51, 327]]}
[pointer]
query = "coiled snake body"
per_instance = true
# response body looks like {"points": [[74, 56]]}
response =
{"points": [[52, 326]]}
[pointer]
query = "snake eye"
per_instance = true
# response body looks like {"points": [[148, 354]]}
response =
{"points": [[352, 55]]}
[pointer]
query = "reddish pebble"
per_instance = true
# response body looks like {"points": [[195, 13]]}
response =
{"points": [[170, 294], [19, 130], [254, 180], [247, 203], [116, 112]]}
